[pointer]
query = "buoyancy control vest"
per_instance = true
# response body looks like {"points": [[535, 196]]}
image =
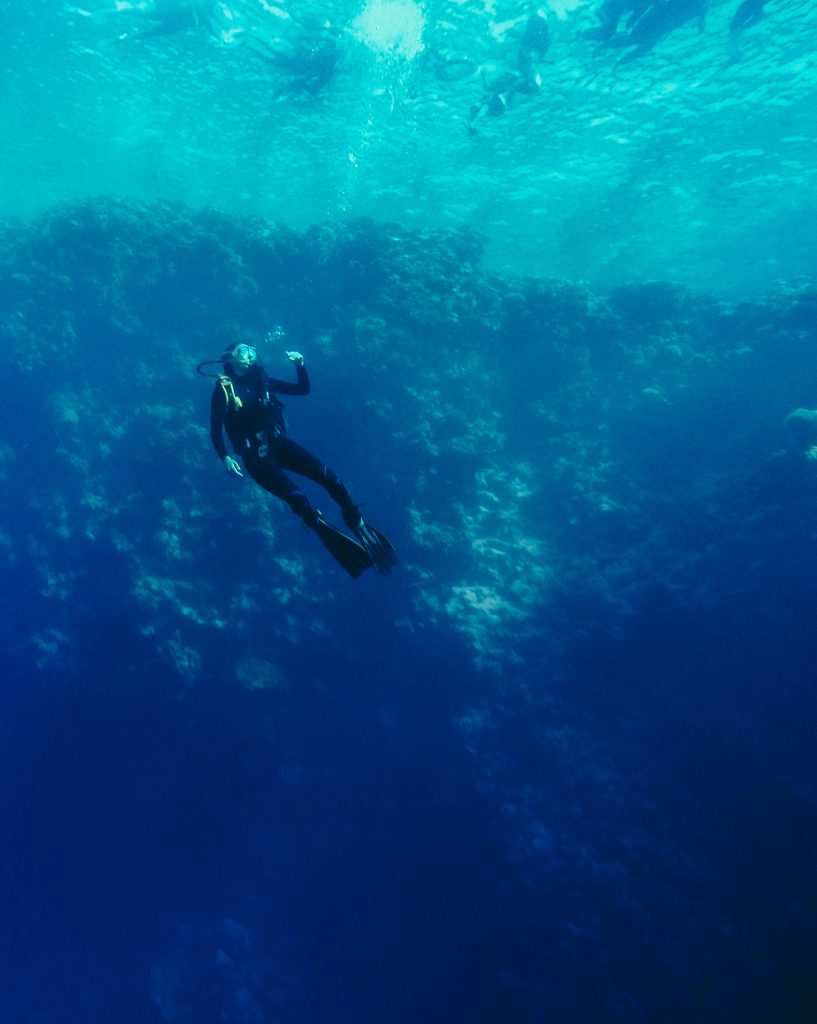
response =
{"points": [[254, 415]]}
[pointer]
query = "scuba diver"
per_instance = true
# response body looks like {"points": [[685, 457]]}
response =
{"points": [[749, 13], [610, 14], [659, 19], [648, 22], [244, 403], [499, 89], [152, 18], [304, 65]]}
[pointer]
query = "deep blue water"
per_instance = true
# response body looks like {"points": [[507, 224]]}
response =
{"points": [[559, 766]]}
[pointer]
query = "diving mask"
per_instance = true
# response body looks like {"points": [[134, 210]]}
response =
{"points": [[244, 354]]}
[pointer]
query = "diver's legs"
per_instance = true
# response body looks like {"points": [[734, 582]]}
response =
{"points": [[352, 555], [370, 547], [290, 455], [272, 478]]}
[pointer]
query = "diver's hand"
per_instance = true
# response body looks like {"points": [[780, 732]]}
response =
{"points": [[232, 466], [295, 357]]}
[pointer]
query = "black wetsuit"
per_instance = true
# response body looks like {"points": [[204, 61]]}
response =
{"points": [[247, 408]]}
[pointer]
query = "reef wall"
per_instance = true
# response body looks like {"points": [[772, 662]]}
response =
{"points": [[526, 441], [597, 647]]}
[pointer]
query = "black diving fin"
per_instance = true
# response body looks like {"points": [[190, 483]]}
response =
{"points": [[354, 558], [377, 546]]}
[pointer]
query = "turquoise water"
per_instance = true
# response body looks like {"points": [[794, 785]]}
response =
{"points": [[694, 163]]}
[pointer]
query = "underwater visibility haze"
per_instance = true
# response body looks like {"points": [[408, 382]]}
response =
{"points": [[551, 270]]}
